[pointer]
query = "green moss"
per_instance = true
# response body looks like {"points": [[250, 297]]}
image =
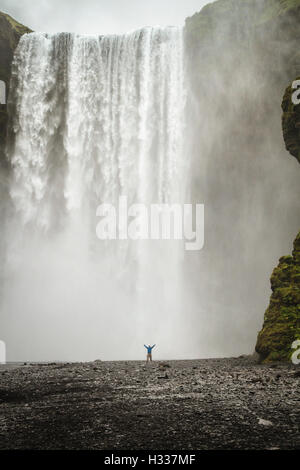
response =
{"points": [[18, 27], [10, 33], [11, 30], [274, 8], [282, 318], [258, 12], [241, 19]]}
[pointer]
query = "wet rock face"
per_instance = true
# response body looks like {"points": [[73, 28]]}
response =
{"points": [[10, 33], [291, 123], [282, 318]]}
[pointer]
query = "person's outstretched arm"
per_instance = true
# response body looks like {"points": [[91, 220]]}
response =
{"points": [[153, 346], [145, 346]]}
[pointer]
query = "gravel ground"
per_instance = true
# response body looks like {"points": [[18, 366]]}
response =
{"points": [[175, 405]]}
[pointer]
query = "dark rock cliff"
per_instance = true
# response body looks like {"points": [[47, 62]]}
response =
{"points": [[282, 317], [10, 33], [291, 123]]}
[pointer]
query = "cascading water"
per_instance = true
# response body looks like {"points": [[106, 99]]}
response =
{"points": [[94, 118]]}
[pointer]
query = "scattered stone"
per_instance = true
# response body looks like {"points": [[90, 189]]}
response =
{"points": [[130, 406], [264, 422], [256, 379], [164, 365]]}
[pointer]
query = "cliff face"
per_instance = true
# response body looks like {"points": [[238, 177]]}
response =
{"points": [[282, 318], [291, 123], [248, 26], [240, 56], [10, 33]]}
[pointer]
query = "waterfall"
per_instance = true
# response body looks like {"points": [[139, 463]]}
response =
{"points": [[96, 117], [92, 119]]}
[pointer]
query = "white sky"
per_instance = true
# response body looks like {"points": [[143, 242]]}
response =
{"points": [[99, 16]]}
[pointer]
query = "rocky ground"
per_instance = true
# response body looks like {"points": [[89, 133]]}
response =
{"points": [[174, 405]]}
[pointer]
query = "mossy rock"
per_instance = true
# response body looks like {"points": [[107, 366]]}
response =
{"points": [[282, 318], [291, 123], [224, 19], [10, 33]]}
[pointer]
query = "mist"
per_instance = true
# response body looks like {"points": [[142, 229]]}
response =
{"points": [[79, 141]]}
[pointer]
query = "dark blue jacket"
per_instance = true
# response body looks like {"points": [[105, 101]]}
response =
{"points": [[149, 348]]}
